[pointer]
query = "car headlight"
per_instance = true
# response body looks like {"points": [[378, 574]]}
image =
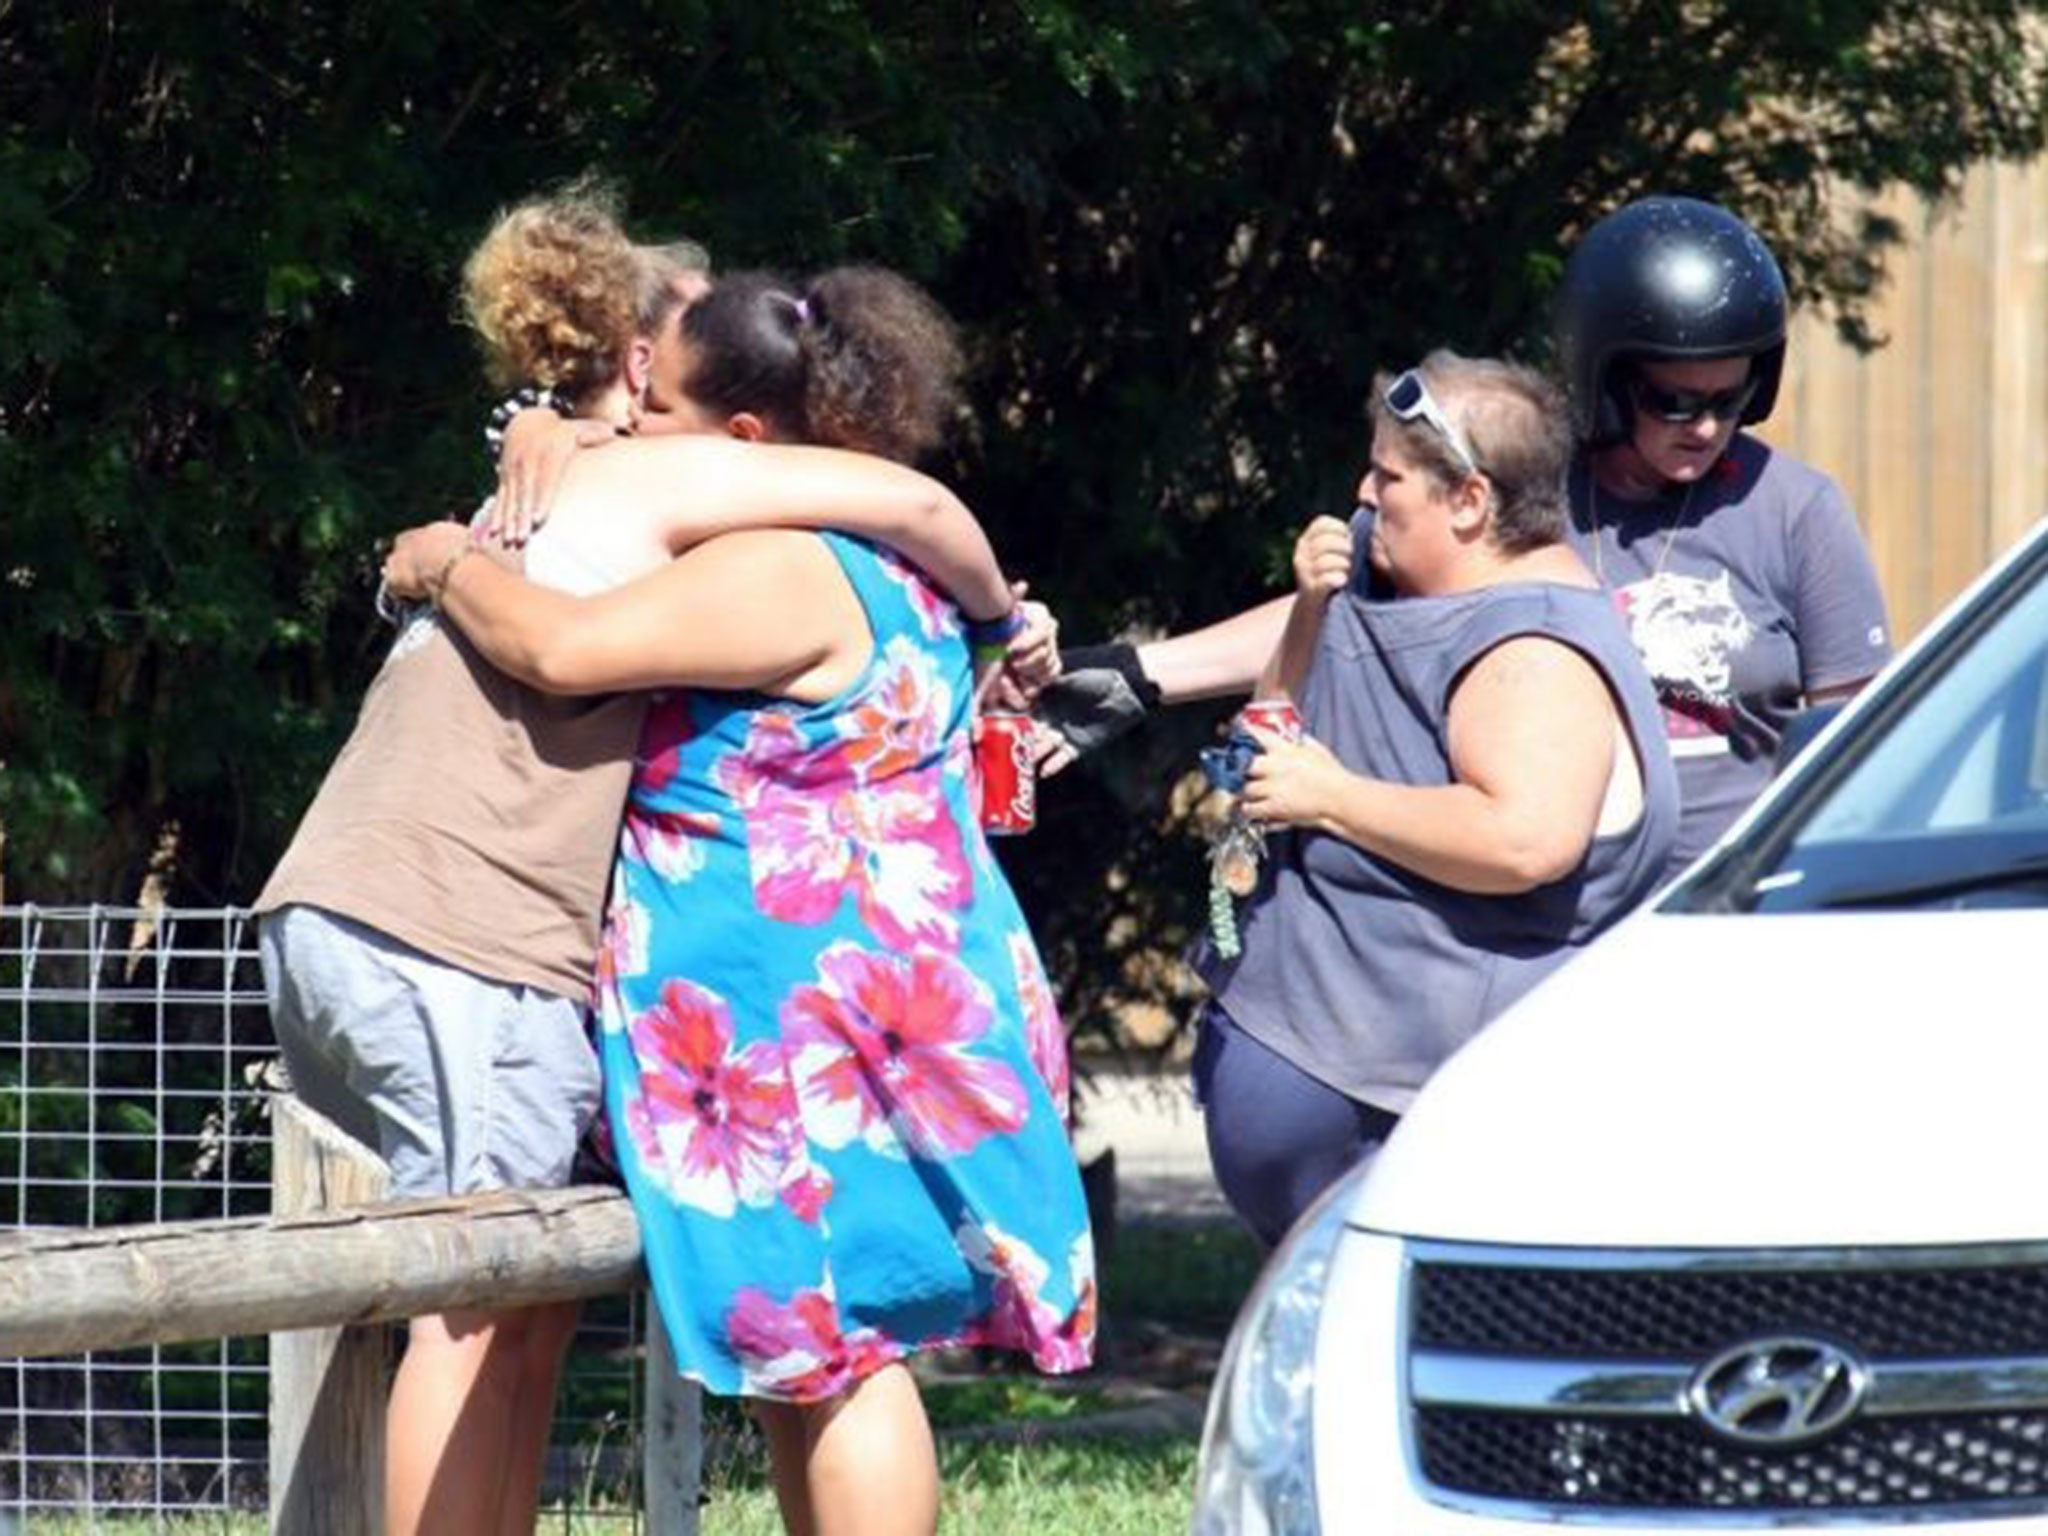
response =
{"points": [[1256, 1476]]}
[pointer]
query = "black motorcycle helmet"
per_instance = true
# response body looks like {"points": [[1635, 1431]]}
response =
{"points": [[1666, 277]]}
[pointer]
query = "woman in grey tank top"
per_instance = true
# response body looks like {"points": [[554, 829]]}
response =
{"points": [[1484, 785]]}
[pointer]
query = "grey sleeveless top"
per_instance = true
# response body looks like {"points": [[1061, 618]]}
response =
{"points": [[1364, 974]]}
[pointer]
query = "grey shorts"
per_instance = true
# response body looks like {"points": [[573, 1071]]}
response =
{"points": [[460, 1082]]}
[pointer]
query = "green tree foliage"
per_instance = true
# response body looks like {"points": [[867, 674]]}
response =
{"points": [[1181, 232]]}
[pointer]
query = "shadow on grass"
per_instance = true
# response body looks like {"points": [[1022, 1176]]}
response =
{"points": [[1190, 1277]]}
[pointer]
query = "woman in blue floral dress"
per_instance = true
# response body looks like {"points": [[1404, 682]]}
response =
{"points": [[834, 1072]]}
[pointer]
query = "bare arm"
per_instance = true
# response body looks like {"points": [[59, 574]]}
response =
{"points": [[1221, 658], [1107, 689], [698, 486], [1322, 568], [1532, 733], [759, 609]]}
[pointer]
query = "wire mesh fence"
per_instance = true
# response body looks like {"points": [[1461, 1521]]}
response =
{"points": [[135, 1066]]}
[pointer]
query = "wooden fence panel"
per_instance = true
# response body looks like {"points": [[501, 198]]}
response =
{"points": [[1940, 438]]}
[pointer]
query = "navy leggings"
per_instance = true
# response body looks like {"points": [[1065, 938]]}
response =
{"points": [[1277, 1137]]}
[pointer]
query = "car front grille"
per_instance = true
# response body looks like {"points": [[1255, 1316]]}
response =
{"points": [[1998, 1309], [1549, 1383], [1591, 1463]]}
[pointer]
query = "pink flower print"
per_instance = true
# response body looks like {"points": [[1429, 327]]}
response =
{"points": [[816, 836], [911, 874], [640, 1130], [712, 1124], [805, 1189], [1044, 1037], [936, 615], [670, 843], [897, 725], [622, 950], [1009, 1260], [880, 1053], [668, 729], [1019, 1317], [1071, 1345], [797, 1350]]}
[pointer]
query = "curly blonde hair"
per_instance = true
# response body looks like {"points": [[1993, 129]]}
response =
{"points": [[554, 290]]}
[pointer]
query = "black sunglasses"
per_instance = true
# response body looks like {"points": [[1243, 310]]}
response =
{"points": [[1683, 407]]}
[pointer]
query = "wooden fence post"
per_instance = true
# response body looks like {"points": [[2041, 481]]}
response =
{"points": [[327, 1385], [672, 1442]]}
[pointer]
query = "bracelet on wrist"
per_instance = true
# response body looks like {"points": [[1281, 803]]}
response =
{"points": [[437, 585], [996, 634]]}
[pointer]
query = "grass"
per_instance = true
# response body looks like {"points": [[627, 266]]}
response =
{"points": [[1008, 1400], [1169, 1293], [1087, 1487]]}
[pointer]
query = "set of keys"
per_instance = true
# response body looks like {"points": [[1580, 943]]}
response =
{"points": [[1237, 845]]}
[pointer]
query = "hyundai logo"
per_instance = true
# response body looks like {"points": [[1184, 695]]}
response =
{"points": [[1778, 1391]]}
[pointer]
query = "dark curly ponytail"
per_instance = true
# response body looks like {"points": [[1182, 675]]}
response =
{"points": [[856, 358]]}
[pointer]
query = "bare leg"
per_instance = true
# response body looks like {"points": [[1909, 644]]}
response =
{"points": [[543, 1343], [459, 1408], [869, 1468], [788, 1450]]}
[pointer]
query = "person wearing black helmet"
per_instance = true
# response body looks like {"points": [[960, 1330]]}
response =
{"points": [[1745, 580], [1742, 573]]}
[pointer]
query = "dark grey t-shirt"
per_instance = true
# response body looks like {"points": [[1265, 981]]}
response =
{"points": [[1760, 586], [1361, 972]]}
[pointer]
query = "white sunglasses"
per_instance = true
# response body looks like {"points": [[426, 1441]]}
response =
{"points": [[1410, 400]]}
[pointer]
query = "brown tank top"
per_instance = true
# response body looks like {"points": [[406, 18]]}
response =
{"points": [[469, 816]]}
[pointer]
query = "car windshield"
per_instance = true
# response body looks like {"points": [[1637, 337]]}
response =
{"points": [[1937, 799]]}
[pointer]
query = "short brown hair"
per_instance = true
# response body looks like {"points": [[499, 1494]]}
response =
{"points": [[1514, 421]]}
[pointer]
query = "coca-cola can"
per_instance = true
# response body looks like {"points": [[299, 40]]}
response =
{"points": [[1008, 773], [1276, 716]]}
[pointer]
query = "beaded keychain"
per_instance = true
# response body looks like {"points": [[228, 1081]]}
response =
{"points": [[1235, 845]]}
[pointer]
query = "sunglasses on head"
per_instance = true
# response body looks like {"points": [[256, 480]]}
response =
{"points": [[1683, 407], [1410, 400]]}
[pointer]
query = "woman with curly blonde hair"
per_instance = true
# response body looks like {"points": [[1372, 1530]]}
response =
{"points": [[429, 937], [834, 1072], [555, 285]]}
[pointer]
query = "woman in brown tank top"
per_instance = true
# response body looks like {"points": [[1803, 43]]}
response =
{"points": [[564, 300]]}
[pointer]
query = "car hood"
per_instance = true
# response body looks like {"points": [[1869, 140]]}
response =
{"points": [[1741, 1081]]}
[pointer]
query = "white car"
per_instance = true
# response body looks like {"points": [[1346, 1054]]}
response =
{"points": [[1740, 1220]]}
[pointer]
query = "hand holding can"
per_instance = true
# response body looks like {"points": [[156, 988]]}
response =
{"points": [[1276, 715]]}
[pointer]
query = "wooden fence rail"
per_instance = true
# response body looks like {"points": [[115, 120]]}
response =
{"points": [[67, 1291], [318, 1276]]}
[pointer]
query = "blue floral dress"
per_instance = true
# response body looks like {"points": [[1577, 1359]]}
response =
{"points": [[835, 1078]]}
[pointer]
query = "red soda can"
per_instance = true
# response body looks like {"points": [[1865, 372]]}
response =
{"points": [[1008, 773], [1278, 716]]}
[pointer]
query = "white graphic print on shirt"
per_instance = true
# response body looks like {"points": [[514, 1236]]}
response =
{"points": [[1688, 631]]}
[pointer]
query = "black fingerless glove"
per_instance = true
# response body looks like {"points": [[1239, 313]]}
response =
{"points": [[1102, 691]]}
